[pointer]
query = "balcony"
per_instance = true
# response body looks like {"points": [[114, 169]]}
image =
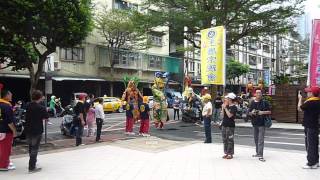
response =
{"points": [[125, 59]]}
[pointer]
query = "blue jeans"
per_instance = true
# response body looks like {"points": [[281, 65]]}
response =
{"points": [[79, 133], [207, 129]]}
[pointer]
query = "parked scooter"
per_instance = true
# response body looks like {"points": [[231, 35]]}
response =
{"points": [[66, 124], [19, 122]]}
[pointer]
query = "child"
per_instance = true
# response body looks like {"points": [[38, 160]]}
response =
{"points": [[90, 120], [144, 114], [129, 118]]}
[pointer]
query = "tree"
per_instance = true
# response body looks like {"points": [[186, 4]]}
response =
{"points": [[235, 69], [241, 18], [121, 30], [33, 29]]}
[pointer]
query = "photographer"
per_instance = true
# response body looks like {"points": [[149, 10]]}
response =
{"points": [[257, 110]]}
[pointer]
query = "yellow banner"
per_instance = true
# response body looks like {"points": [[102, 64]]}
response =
{"points": [[213, 55]]}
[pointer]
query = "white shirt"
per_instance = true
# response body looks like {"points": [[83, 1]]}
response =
{"points": [[206, 108], [99, 111]]}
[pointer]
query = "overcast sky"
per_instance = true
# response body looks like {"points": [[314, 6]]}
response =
{"points": [[313, 8]]}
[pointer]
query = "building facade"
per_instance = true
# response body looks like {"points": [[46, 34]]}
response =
{"points": [[90, 68]]}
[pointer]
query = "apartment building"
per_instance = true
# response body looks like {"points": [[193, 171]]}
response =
{"points": [[87, 67], [266, 56]]}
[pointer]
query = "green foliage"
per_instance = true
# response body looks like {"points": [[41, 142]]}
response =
{"points": [[241, 18], [121, 28], [33, 29], [281, 79], [270, 101], [235, 69]]}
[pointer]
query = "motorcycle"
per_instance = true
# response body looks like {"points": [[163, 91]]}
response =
{"points": [[67, 122], [19, 121], [192, 114]]}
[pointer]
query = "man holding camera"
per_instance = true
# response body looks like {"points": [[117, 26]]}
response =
{"points": [[311, 109], [258, 109]]}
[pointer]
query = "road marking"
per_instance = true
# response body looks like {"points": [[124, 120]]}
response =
{"points": [[284, 143]]}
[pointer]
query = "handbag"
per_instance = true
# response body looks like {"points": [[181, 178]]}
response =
{"points": [[267, 118]]}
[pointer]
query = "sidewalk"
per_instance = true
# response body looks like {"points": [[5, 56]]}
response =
{"points": [[178, 161]]}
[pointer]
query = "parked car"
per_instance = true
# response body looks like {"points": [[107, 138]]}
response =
{"points": [[112, 104]]}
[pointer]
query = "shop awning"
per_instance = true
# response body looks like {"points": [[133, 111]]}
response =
{"points": [[77, 79]]}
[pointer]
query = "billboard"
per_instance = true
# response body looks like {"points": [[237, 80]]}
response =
{"points": [[314, 60], [213, 47]]}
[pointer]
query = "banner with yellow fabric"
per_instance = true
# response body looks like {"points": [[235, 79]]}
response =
{"points": [[213, 47]]}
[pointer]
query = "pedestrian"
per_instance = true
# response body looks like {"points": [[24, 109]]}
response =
{"points": [[35, 115], [176, 108], [207, 114], [311, 108], [145, 120], [129, 118], [217, 109], [79, 119], [229, 111], [90, 119], [52, 106], [7, 130], [99, 117], [258, 111]]}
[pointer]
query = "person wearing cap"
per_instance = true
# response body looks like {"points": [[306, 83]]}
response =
{"points": [[229, 110], [311, 109], [79, 119], [257, 111], [206, 114]]}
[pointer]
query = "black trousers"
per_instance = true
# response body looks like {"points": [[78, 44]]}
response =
{"points": [[176, 111], [79, 133], [312, 145], [34, 144], [99, 122]]}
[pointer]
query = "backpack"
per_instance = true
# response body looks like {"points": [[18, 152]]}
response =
{"points": [[267, 118]]}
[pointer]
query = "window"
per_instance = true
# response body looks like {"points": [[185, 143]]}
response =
{"points": [[253, 44], [119, 4], [191, 66], [155, 62], [266, 62], [252, 60], [266, 48], [156, 40], [72, 54]]}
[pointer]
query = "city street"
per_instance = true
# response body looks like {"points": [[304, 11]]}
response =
{"points": [[281, 138]]}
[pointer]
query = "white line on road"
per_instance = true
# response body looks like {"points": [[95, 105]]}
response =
{"points": [[284, 143]]}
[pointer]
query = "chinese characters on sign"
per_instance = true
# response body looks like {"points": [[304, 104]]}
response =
{"points": [[314, 64], [213, 56]]}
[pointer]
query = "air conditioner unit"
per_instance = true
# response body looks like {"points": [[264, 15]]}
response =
{"points": [[57, 65]]}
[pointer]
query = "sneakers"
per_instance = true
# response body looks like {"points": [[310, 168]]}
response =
{"points": [[145, 135], [310, 167], [34, 170], [129, 133], [11, 167]]}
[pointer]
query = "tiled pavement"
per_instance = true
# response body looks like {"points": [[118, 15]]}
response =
{"points": [[153, 158]]}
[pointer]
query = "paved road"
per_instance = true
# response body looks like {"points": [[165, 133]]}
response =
{"points": [[180, 131]]}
